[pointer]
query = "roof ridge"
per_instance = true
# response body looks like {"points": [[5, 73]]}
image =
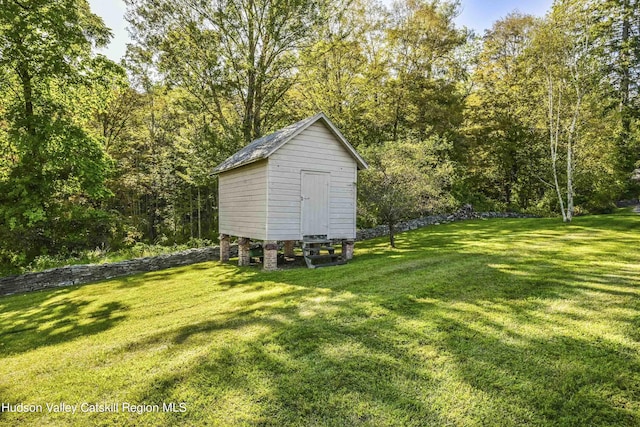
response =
{"points": [[263, 147]]}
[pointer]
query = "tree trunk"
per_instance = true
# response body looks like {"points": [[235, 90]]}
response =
{"points": [[570, 138], [569, 215], [249, 110], [247, 126], [199, 223], [257, 102], [190, 214], [626, 157], [396, 121], [392, 236], [508, 191], [27, 91], [625, 70], [554, 131]]}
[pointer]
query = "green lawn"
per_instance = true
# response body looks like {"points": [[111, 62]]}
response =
{"points": [[497, 322]]}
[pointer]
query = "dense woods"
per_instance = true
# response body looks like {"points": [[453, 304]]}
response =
{"points": [[538, 115]]}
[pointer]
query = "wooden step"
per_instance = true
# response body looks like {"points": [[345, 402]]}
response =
{"points": [[312, 249], [329, 264], [325, 256], [321, 248]]}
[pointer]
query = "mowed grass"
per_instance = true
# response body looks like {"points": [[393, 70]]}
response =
{"points": [[496, 322]]}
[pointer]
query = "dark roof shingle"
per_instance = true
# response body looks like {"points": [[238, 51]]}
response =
{"points": [[263, 147]]}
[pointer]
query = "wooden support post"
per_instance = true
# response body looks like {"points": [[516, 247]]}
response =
{"points": [[347, 249], [270, 252], [288, 248], [243, 251], [224, 247]]}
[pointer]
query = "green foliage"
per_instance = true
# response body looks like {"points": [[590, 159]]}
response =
{"points": [[102, 253], [543, 117], [618, 34], [236, 58], [53, 182], [164, 155], [88, 157], [405, 180], [505, 157]]}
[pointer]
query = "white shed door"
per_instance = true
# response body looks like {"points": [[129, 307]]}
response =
{"points": [[315, 203]]}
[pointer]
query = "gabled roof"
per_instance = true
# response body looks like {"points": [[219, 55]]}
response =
{"points": [[263, 147]]}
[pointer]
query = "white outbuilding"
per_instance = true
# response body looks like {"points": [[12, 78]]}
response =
{"points": [[295, 185]]}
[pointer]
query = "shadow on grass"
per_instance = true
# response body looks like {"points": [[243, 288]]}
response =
{"points": [[353, 362], [448, 331], [470, 324], [151, 278], [303, 371], [50, 319], [345, 353], [560, 379]]}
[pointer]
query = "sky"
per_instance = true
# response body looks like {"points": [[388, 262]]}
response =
{"points": [[478, 15], [112, 13]]}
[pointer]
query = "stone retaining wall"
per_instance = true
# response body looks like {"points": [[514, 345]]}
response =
{"points": [[627, 203], [463, 214], [80, 274]]}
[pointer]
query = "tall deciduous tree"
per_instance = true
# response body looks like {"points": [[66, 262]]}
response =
{"points": [[571, 72], [422, 93], [504, 158], [237, 57], [619, 34], [57, 167], [343, 73]]}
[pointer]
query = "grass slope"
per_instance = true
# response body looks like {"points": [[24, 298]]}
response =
{"points": [[499, 322]]}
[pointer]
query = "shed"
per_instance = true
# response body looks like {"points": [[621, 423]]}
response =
{"points": [[295, 185]]}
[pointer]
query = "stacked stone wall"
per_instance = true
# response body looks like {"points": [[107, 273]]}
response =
{"points": [[465, 213], [81, 274]]}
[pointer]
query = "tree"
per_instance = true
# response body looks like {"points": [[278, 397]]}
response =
{"points": [[343, 73], [164, 148], [405, 179], [422, 95], [236, 57], [504, 157], [618, 32], [58, 167], [563, 46]]}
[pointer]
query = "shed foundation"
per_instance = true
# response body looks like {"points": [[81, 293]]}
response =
{"points": [[224, 247], [244, 245], [288, 248], [270, 249], [347, 249]]}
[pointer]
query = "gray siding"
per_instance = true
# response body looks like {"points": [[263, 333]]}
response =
{"points": [[243, 201], [314, 149]]}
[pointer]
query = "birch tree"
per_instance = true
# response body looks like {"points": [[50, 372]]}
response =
{"points": [[564, 48]]}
